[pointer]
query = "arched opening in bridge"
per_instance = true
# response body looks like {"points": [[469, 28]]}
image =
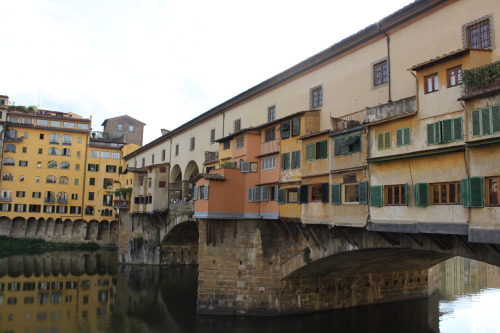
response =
{"points": [[180, 245], [175, 188], [191, 172]]}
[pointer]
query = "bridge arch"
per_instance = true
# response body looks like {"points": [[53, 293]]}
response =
{"points": [[175, 189], [191, 172], [180, 244]]}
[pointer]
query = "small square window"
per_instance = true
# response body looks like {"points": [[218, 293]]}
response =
{"points": [[240, 142], [237, 125], [477, 35], [431, 83], [380, 73], [454, 76], [271, 113]]}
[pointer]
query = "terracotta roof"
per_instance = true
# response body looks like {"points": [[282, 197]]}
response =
{"points": [[439, 59], [313, 134]]}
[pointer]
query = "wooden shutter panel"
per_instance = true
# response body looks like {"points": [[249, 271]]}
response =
{"points": [[323, 149], [485, 121], [195, 194], [285, 161], [281, 196], [250, 194], [430, 134], [205, 191], [285, 129], [387, 140], [303, 194], [399, 137], [264, 194], [476, 192], [495, 119], [295, 126], [464, 192], [447, 130], [380, 141], [258, 194], [405, 188], [245, 166], [325, 195], [421, 194], [337, 147], [310, 151], [407, 136], [363, 192], [296, 159], [458, 133], [376, 196], [476, 124], [336, 194]]}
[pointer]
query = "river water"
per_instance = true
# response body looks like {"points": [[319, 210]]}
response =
{"points": [[90, 292]]}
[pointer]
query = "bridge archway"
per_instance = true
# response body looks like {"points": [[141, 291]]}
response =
{"points": [[175, 189], [180, 245], [191, 172]]}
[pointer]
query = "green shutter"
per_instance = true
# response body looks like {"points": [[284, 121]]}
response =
{"points": [[324, 193], [387, 140], [310, 152], [495, 119], [285, 129], [476, 192], [380, 141], [434, 133], [421, 194], [447, 125], [342, 149], [303, 193], [458, 132], [399, 137], [376, 196], [337, 146], [464, 192], [295, 126], [281, 196], [323, 149], [285, 161], [296, 159], [407, 136], [336, 192], [485, 121], [476, 124], [363, 192], [405, 188]]}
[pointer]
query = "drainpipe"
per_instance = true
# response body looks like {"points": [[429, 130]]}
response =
{"points": [[466, 152], [388, 40], [223, 122]]}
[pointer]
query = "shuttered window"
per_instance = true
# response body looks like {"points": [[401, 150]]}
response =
{"points": [[384, 140], [376, 196], [285, 129], [486, 121], [295, 126], [285, 161], [348, 144], [403, 136], [317, 150], [281, 196], [363, 192], [472, 192], [336, 194], [303, 193], [447, 130], [421, 194], [295, 159]]}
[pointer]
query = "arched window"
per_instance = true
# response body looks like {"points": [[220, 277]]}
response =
{"points": [[64, 165], [66, 152], [67, 139], [107, 212], [51, 180], [52, 165], [10, 147], [62, 197], [8, 176], [12, 134], [54, 138], [53, 151], [9, 161], [63, 180], [89, 210], [6, 195]]}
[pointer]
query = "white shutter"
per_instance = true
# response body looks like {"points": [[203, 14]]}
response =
{"points": [[245, 166], [276, 192], [195, 194], [251, 194], [205, 190], [258, 194], [264, 193]]}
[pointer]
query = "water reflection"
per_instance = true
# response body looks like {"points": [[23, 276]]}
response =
{"points": [[82, 292]]}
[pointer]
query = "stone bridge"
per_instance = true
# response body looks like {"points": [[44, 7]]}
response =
{"points": [[257, 267]]}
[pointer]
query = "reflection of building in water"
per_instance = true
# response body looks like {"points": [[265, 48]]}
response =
{"points": [[55, 302], [461, 276]]}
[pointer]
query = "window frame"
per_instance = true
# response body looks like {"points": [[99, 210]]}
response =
{"points": [[316, 97], [431, 85], [384, 140], [403, 137], [320, 150], [270, 134], [380, 72], [341, 149], [268, 163], [483, 42], [454, 74], [440, 187], [240, 142], [488, 194], [236, 125], [389, 190], [271, 113]]}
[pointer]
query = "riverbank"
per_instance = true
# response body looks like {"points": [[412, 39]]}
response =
{"points": [[9, 246]]}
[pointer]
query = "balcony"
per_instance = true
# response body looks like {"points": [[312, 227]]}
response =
{"points": [[62, 201], [349, 121], [392, 110], [211, 157], [121, 204], [6, 198], [13, 138], [49, 200], [269, 147], [481, 81]]}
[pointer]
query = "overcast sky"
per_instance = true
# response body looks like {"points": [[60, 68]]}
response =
{"points": [[162, 61]]}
